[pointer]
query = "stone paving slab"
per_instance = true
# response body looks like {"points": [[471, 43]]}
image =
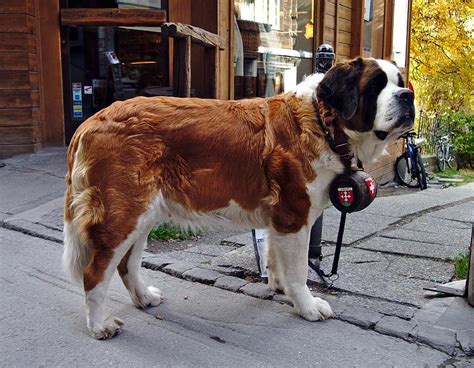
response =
{"points": [[430, 223], [22, 191], [419, 201], [48, 161], [212, 250], [258, 290], [456, 238], [461, 212], [466, 339], [365, 272], [394, 326], [361, 317], [458, 316], [432, 310], [228, 271], [332, 215], [243, 257], [437, 337], [49, 214], [414, 248], [157, 261], [178, 268], [230, 283], [45, 221], [239, 240], [350, 236], [391, 308], [190, 257], [35, 229], [427, 269], [202, 275]]}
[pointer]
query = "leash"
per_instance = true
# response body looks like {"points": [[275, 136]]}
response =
{"points": [[354, 182]]}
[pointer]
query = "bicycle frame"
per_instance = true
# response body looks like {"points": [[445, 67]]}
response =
{"points": [[444, 146], [413, 170], [411, 149]]}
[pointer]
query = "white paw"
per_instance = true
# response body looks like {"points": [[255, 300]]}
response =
{"points": [[151, 297], [111, 327], [315, 309]]}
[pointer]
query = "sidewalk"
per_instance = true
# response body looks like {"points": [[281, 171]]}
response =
{"points": [[392, 250]]}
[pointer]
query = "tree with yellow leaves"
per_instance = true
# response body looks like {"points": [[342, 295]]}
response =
{"points": [[441, 55]]}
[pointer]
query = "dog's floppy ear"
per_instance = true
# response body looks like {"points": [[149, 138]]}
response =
{"points": [[338, 89]]}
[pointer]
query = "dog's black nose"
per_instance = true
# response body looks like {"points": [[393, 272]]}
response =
{"points": [[405, 94]]}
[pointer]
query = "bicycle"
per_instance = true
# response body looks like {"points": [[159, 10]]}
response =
{"points": [[445, 154], [409, 167]]}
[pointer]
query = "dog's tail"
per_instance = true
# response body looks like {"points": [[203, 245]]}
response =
{"points": [[83, 208]]}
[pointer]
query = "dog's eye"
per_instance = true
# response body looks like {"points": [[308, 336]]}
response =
{"points": [[380, 134]]}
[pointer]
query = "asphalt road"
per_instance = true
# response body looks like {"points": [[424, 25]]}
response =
{"points": [[42, 324]]}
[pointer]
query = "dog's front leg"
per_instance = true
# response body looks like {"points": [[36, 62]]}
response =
{"points": [[291, 252]]}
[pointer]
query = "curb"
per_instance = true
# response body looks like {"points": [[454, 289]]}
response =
{"points": [[442, 339]]}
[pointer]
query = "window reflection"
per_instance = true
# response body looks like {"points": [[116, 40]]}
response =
{"points": [[273, 45]]}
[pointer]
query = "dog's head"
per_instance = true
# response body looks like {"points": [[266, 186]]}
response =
{"points": [[368, 99]]}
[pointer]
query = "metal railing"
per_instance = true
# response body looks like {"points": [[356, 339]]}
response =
{"points": [[428, 126]]}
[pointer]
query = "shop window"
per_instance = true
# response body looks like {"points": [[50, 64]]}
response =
{"points": [[105, 64], [273, 45], [373, 28]]}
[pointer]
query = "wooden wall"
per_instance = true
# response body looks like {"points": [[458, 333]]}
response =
{"points": [[335, 26], [383, 170], [20, 129]]}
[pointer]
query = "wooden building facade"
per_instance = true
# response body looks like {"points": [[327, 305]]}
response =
{"points": [[58, 66]]}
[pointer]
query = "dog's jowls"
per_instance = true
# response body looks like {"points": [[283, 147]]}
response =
{"points": [[207, 163]]}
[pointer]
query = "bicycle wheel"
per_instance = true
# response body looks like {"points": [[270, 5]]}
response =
{"points": [[440, 161], [404, 172], [420, 171], [452, 160]]}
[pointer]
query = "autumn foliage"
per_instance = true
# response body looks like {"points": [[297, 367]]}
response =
{"points": [[441, 55]]}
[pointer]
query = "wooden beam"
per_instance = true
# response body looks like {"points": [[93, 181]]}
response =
{"points": [[211, 58], [51, 78], [336, 29], [356, 28], [388, 30], [112, 17], [198, 35], [182, 67], [320, 22]]}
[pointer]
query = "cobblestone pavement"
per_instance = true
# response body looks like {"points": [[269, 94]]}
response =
{"points": [[394, 248]]}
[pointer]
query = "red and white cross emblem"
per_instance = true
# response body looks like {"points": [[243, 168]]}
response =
{"points": [[371, 186], [346, 196]]}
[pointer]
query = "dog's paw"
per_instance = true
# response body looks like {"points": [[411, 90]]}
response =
{"points": [[315, 309], [150, 297], [111, 327]]}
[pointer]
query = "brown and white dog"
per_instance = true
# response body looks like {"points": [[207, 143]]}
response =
{"points": [[260, 163]]}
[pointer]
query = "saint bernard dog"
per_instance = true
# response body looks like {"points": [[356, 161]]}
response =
{"points": [[257, 163]]}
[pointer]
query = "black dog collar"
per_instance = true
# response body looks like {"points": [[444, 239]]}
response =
{"points": [[339, 144]]}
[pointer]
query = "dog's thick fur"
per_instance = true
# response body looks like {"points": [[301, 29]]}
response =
{"points": [[207, 163]]}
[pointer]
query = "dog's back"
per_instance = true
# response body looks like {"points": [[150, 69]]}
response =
{"points": [[188, 161]]}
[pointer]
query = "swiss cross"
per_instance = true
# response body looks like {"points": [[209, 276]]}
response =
{"points": [[371, 186], [345, 196]]}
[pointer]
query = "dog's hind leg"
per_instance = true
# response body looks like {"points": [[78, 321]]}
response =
{"points": [[129, 270], [97, 276], [291, 252]]}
